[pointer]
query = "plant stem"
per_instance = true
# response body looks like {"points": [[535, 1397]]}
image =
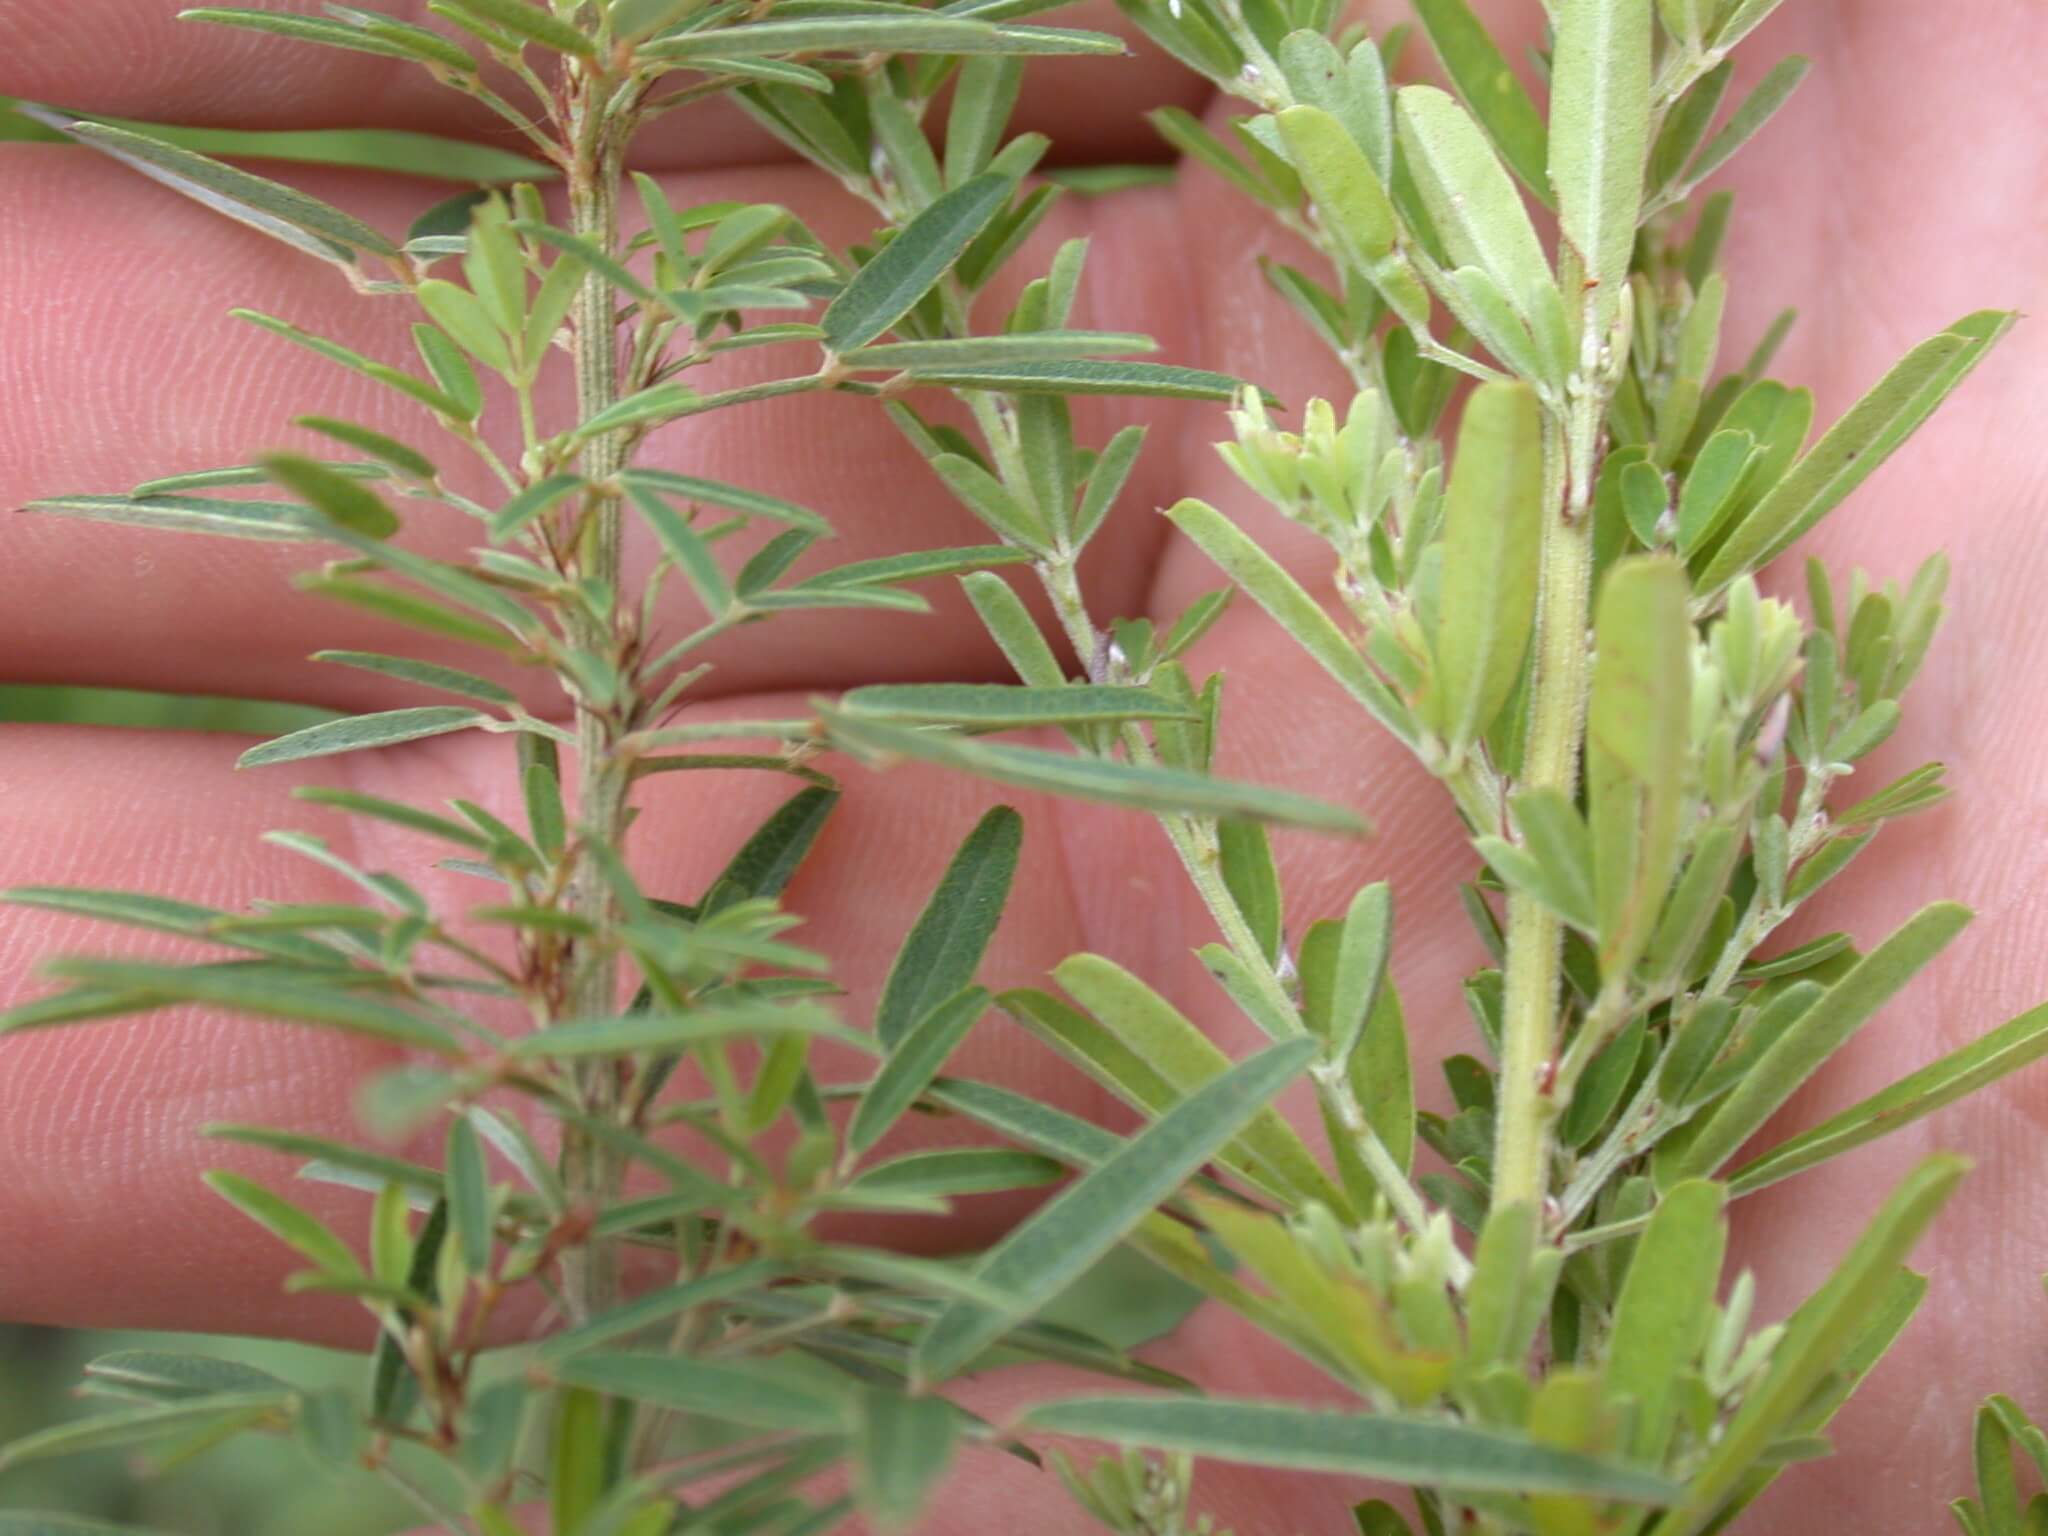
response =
{"points": [[590, 1168], [1521, 1167]]}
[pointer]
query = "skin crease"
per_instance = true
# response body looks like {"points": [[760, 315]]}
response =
{"points": [[1907, 184]]}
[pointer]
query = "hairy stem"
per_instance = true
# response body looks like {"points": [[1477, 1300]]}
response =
{"points": [[590, 1168]]}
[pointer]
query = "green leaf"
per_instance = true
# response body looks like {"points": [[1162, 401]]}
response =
{"points": [[376, 1168], [356, 733], [1819, 1032], [921, 357], [425, 673], [1637, 738], [907, 268], [469, 1195], [1868, 434], [1492, 543], [1013, 629], [1010, 706], [2013, 1045], [992, 501], [734, 498], [1269, 585], [377, 445], [686, 548], [1470, 198], [277, 210], [1489, 86], [275, 521], [451, 371], [392, 39], [342, 498], [535, 501], [124, 1427], [1057, 1134], [1058, 1243], [902, 1447], [658, 1307], [1665, 1310], [1254, 883], [752, 1393], [1599, 142], [983, 97], [1819, 1337], [441, 401], [265, 993], [916, 1058], [1086, 377], [667, 1032], [1365, 942], [1159, 790], [900, 32], [535, 23], [1353, 205], [961, 1171], [161, 1376], [917, 566], [298, 1229], [1388, 1446], [460, 314], [944, 947], [1757, 109]]}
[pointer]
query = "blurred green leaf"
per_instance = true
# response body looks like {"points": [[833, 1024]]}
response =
{"points": [[1488, 85], [902, 1447], [1088, 377], [357, 733], [752, 1393], [1599, 142], [1009, 706], [1358, 1445]]}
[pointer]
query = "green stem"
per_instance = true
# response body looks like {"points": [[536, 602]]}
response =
{"points": [[590, 1167], [1529, 1036]]}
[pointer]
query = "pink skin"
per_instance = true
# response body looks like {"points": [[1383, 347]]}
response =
{"points": [[1905, 186]]}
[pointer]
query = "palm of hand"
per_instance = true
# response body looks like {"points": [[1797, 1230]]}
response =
{"points": [[1906, 186]]}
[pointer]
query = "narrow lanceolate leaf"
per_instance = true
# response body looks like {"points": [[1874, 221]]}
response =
{"points": [[1085, 376], [1424, 1451], [280, 211], [357, 733], [751, 1393], [917, 566], [1010, 706], [1158, 790], [909, 32], [997, 351], [299, 1229], [391, 39], [264, 993], [139, 1425], [1353, 205], [1853, 447], [2004, 1050], [686, 547], [1489, 86], [1493, 533], [1757, 109], [1819, 1339], [425, 673], [1471, 200], [1820, 1031], [1665, 1309], [536, 23], [535, 501], [906, 269], [1599, 139], [679, 1031], [1268, 584], [1636, 743], [734, 498], [945, 945], [469, 1195], [902, 1447], [343, 499], [275, 521], [162, 1376], [1063, 1238], [918, 1057], [1366, 941], [388, 450]]}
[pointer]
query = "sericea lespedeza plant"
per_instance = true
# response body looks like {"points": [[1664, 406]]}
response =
{"points": [[1553, 603]]}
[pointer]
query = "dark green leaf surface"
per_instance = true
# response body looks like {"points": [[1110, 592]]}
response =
{"points": [[944, 947]]}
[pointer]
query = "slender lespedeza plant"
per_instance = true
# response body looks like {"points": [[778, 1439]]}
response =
{"points": [[1649, 808]]}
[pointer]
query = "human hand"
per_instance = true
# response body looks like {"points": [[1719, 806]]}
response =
{"points": [[1905, 186]]}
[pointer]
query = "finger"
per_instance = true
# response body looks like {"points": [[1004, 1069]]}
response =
{"points": [[125, 367], [134, 58]]}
